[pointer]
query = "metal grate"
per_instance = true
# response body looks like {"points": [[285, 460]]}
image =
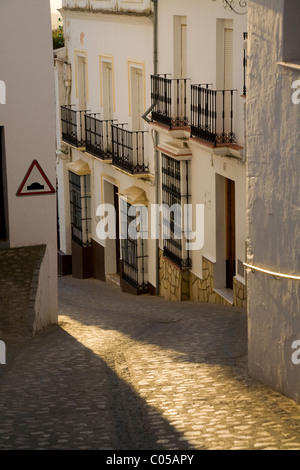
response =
{"points": [[172, 219], [134, 252], [80, 204], [128, 150], [212, 114], [169, 100], [73, 126], [98, 136]]}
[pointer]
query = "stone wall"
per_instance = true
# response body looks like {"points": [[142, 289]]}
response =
{"points": [[174, 282], [239, 294], [202, 290], [19, 280], [177, 284]]}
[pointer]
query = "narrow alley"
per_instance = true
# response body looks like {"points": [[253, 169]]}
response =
{"points": [[122, 372]]}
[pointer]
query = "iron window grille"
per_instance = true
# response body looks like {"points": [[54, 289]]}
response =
{"points": [[212, 114], [98, 136], [73, 126], [80, 204], [174, 192], [133, 249], [128, 149], [170, 101]]}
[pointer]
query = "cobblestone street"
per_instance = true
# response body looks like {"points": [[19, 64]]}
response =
{"points": [[128, 373]]}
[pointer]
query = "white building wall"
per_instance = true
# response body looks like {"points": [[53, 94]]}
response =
{"points": [[204, 66], [204, 168], [28, 118], [202, 19], [126, 41], [273, 203]]}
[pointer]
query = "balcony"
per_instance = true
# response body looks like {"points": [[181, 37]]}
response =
{"points": [[128, 150], [212, 114], [98, 136], [73, 126], [170, 101]]}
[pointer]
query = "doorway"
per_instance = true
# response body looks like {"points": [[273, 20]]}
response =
{"points": [[112, 245], [225, 233], [230, 231]]}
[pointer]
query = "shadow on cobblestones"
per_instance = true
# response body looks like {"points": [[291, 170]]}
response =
{"points": [[57, 394], [199, 333], [130, 373]]}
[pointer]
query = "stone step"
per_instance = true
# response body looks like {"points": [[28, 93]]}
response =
{"points": [[113, 279]]}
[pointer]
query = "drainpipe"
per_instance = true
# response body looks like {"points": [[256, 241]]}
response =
{"points": [[156, 154]]}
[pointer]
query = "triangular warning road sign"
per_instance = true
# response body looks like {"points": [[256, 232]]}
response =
{"points": [[35, 182]]}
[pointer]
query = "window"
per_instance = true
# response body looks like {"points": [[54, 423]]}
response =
{"points": [[137, 104], [80, 202], [224, 54], [81, 79], [107, 94], [174, 189], [180, 46]]}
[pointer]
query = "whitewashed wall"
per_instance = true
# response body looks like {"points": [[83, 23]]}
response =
{"points": [[204, 168], [29, 124], [125, 38], [273, 202], [202, 67], [202, 46]]}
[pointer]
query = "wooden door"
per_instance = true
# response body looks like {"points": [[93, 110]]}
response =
{"points": [[230, 231]]}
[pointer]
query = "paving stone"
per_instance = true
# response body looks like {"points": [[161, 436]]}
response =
{"points": [[129, 373]]}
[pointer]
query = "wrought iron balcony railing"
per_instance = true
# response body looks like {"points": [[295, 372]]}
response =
{"points": [[73, 126], [212, 114], [170, 101], [128, 149], [98, 136]]}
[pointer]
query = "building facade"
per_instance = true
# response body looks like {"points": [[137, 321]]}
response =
{"points": [[273, 168], [153, 114], [27, 169], [105, 153], [198, 99]]}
